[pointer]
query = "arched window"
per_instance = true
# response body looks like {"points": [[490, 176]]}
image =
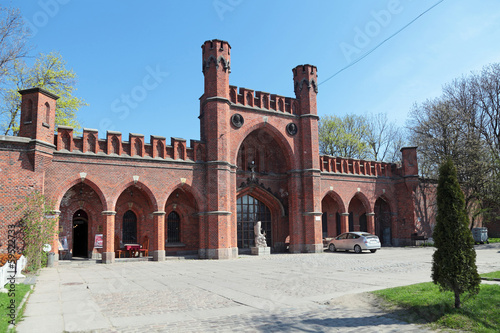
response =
{"points": [[251, 210], [173, 228], [129, 231], [47, 113]]}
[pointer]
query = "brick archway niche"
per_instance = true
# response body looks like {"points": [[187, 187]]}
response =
{"points": [[262, 173], [182, 202], [81, 197], [331, 207], [383, 221], [135, 199]]}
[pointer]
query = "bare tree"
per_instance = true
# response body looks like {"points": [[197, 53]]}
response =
{"points": [[385, 138], [477, 98], [13, 40], [441, 129]]}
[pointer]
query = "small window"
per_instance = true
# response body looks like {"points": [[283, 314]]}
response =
{"points": [[29, 113], [173, 228], [47, 113]]}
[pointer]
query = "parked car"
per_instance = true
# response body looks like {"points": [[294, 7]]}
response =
{"points": [[356, 241]]}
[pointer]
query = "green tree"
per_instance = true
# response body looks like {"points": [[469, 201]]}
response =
{"points": [[50, 73], [454, 261], [344, 136], [37, 227]]}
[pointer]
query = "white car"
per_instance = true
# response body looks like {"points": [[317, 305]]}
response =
{"points": [[356, 241]]}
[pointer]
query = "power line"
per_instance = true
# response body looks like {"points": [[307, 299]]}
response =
{"points": [[380, 44]]}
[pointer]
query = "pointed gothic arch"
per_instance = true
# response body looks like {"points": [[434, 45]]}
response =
{"points": [[358, 207], [331, 207], [273, 132], [266, 207]]}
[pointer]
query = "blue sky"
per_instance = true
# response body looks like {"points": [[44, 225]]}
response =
{"points": [[150, 51]]}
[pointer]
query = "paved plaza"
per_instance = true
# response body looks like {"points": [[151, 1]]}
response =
{"points": [[278, 293]]}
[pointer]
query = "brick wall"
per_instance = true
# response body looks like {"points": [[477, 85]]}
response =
{"points": [[201, 181]]}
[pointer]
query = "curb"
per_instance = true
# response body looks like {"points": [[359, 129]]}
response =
{"points": [[490, 279], [25, 298]]}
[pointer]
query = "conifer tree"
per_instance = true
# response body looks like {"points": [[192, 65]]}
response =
{"points": [[454, 261]]}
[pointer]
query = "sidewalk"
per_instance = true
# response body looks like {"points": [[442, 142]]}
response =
{"points": [[305, 292]]}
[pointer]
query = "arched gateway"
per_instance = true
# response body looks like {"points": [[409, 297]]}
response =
{"points": [[251, 210], [257, 159]]}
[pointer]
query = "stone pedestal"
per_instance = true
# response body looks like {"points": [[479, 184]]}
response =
{"points": [[261, 251], [159, 255], [108, 257]]}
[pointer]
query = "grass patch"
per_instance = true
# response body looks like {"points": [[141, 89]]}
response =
{"points": [[494, 240], [5, 301], [424, 304], [492, 275]]}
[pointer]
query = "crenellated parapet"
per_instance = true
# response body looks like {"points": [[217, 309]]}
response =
{"points": [[114, 145], [353, 166], [263, 100]]}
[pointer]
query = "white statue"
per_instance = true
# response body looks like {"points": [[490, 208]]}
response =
{"points": [[260, 238]]}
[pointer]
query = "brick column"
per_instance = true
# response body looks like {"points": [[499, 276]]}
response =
{"points": [[313, 236], [313, 232], [203, 232], [54, 252], [344, 222], [159, 237], [295, 216], [108, 254], [370, 222]]}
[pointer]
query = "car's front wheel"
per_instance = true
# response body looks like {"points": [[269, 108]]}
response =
{"points": [[373, 251], [357, 249], [332, 248]]}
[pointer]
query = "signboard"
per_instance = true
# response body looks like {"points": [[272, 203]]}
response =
{"points": [[63, 243], [98, 241]]}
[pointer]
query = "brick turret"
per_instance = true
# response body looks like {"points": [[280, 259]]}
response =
{"points": [[38, 113], [305, 80], [410, 165], [216, 68], [216, 57], [215, 131]]}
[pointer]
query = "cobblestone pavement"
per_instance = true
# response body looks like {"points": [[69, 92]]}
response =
{"points": [[279, 293]]}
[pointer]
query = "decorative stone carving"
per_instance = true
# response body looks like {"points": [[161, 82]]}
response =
{"points": [[260, 238], [291, 129], [237, 120]]}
